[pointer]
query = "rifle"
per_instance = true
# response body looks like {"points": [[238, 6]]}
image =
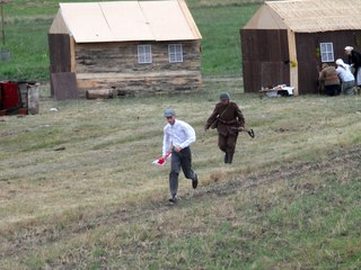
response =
{"points": [[243, 129]]}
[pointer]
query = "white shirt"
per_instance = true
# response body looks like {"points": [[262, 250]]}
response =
{"points": [[180, 134], [345, 74]]}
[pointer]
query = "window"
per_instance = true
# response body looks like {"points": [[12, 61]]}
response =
{"points": [[326, 50], [144, 54], [175, 52]]}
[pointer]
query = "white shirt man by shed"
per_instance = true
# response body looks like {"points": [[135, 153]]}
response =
{"points": [[344, 71], [345, 74]]}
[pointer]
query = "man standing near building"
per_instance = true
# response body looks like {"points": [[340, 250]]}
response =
{"points": [[354, 59], [178, 136], [228, 119]]}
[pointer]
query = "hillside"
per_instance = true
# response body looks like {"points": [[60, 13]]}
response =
{"points": [[78, 190]]}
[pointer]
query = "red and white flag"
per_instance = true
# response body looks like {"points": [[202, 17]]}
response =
{"points": [[162, 160]]}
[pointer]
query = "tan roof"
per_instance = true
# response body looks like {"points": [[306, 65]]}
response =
{"points": [[265, 18], [311, 15], [58, 26], [127, 21]]}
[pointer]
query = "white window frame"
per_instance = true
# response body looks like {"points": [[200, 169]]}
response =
{"points": [[326, 52], [144, 54], [175, 53]]}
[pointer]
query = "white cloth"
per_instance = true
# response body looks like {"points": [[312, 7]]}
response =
{"points": [[344, 73], [340, 62], [180, 134], [348, 48]]}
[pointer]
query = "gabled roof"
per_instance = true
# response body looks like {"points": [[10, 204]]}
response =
{"points": [[265, 18], [126, 21], [308, 16]]}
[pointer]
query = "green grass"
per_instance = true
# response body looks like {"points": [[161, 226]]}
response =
{"points": [[219, 26], [28, 22], [290, 200]]}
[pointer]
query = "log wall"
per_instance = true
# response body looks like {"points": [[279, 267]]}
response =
{"points": [[115, 66]]}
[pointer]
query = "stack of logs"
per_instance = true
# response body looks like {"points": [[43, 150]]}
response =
{"points": [[100, 94]]}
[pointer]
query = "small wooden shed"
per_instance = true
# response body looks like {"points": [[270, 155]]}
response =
{"points": [[286, 41], [129, 47]]}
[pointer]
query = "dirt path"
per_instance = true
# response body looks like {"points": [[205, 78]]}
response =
{"points": [[18, 243]]}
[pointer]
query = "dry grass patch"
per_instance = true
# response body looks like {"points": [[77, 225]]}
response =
{"points": [[100, 202]]}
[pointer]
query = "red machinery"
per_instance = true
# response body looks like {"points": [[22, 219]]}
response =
{"points": [[12, 99]]}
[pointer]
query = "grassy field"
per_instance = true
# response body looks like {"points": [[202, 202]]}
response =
{"points": [[27, 24], [78, 190]]}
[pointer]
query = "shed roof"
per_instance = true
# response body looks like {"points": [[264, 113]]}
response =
{"points": [[126, 21], [308, 16]]}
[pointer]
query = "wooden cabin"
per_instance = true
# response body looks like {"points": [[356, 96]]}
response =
{"points": [[286, 42], [126, 47]]}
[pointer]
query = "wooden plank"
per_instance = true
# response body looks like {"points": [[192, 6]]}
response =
{"points": [[72, 54], [265, 58], [59, 53], [141, 83], [64, 85], [293, 61], [273, 74], [100, 94], [308, 62]]}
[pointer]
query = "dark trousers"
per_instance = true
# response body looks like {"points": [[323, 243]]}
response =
{"points": [[182, 159], [332, 90], [227, 143]]}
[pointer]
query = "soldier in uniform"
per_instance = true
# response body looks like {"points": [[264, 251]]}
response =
{"points": [[228, 119]]}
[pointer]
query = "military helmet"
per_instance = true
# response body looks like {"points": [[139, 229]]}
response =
{"points": [[224, 96]]}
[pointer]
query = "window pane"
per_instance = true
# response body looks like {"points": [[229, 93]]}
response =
{"points": [[144, 54], [326, 50], [175, 52]]}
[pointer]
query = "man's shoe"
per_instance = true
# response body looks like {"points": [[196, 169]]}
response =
{"points": [[225, 158], [230, 158], [195, 181], [173, 199]]}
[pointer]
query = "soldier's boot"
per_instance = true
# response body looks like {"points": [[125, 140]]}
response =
{"points": [[230, 158], [226, 157]]}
